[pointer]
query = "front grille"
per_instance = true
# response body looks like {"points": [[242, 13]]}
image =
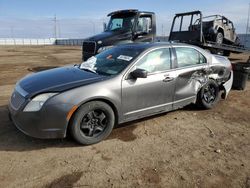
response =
{"points": [[17, 100], [89, 47]]}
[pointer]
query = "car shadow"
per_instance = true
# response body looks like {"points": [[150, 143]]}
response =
{"points": [[41, 68], [11, 139], [234, 59], [191, 107]]}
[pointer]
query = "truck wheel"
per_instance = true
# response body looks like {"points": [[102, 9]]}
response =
{"points": [[237, 41], [208, 96], [219, 38], [92, 123], [226, 53]]}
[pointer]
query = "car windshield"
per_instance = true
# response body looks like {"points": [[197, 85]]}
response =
{"points": [[110, 62], [122, 22]]}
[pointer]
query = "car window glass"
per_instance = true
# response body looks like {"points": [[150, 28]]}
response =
{"points": [[157, 60], [121, 22], [116, 23], [144, 24], [111, 61], [189, 57]]}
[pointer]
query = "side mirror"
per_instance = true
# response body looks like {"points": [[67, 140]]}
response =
{"points": [[104, 26], [139, 73]]}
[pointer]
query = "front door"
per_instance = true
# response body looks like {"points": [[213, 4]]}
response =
{"points": [[144, 29], [145, 96]]}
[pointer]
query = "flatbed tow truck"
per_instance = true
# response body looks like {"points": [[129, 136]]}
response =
{"points": [[129, 26], [186, 34]]}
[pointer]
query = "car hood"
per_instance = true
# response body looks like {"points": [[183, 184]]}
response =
{"points": [[110, 36], [58, 80]]}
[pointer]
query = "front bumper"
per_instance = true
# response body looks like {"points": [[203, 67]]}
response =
{"points": [[49, 122]]}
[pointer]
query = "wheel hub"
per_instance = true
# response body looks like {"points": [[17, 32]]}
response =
{"points": [[209, 94], [93, 123]]}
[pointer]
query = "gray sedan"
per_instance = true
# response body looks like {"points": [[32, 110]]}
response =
{"points": [[121, 84]]}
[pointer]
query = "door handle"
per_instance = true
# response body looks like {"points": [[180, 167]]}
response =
{"points": [[168, 79]]}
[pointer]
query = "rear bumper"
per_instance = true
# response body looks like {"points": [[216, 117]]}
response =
{"points": [[228, 85]]}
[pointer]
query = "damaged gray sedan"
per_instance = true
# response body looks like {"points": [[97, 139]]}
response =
{"points": [[121, 84]]}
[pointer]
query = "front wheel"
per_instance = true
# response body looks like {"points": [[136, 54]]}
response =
{"points": [[92, 123], [208, 96], [237, 41]]}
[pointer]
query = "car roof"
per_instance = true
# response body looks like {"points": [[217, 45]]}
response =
{"points": [[149, 45]]}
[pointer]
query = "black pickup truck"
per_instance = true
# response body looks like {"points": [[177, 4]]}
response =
{"points": [[125, 26]]}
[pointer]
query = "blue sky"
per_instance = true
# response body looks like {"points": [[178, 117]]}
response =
{"points": [[81, 18]]}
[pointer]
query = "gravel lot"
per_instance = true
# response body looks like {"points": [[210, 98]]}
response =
{"points": [[184, 148]]}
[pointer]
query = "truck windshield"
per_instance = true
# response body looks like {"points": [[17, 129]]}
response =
{"points": [[110, 62], [121, 22]]}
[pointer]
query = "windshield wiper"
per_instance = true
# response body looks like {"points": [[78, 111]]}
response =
{"points": [[89, 70]]}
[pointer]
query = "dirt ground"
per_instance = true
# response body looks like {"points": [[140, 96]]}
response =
{"points": [[184, 148]]}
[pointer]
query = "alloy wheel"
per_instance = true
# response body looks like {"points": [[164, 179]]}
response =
{"points": [[94, 123], [209, 94]]}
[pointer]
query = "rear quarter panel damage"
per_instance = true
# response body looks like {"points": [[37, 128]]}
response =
{"points": [[189, 81]]}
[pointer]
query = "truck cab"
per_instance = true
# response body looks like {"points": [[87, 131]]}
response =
{"points": [[124, 26]]}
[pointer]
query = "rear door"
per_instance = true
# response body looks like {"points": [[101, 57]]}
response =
{"points": [[191, 73], [146, 96]]}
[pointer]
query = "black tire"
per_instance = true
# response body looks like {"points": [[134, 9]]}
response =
{"points": [[208, 96], [226, 53], [219, 38], [92, 123], [237, 41]]}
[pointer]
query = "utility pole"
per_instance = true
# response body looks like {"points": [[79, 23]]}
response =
{"points": [[11, 32], [55, 27], [59, 29], [162, 30], [247, 29]]}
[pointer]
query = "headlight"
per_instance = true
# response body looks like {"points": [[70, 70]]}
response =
{"points": [[37, 102], [101, 49]]}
